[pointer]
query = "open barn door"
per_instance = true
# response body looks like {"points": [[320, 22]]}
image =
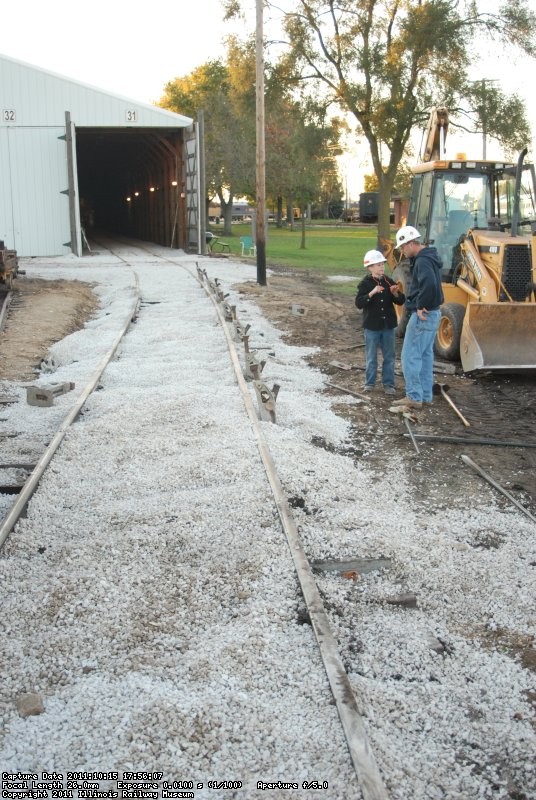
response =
{"points": [[72, 177], [195, 187]]}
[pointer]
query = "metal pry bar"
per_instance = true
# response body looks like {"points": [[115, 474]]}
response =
{"points": [[489, 479]]}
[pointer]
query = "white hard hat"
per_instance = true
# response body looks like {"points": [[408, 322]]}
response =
{"points": [[373, 257], [407, 234]]}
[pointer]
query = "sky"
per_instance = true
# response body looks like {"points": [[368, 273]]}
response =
{"points": [[134, 50]]}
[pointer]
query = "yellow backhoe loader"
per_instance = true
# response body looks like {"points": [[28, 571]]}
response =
{"points": [[481, 217]]}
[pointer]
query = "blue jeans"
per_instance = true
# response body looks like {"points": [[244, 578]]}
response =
{"points": [[418, 356], [385, 341]]}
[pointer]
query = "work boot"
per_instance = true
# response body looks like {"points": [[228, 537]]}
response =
{"points": [[389, 390], [408, 402]]}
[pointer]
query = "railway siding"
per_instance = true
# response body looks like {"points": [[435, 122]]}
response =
{"points": [[173, 624], [150, 587]]}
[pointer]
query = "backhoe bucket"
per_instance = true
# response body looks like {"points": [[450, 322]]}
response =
{"points": [[499, 336]]}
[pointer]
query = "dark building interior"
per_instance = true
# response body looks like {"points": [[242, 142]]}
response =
{"points": [[132, 182]]}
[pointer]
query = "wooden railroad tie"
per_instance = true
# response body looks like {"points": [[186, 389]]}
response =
{"points": [[359, 565], [266, 399], [44, 395]]}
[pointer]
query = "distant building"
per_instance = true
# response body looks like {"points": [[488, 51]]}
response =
{"points": [[240, 211]]}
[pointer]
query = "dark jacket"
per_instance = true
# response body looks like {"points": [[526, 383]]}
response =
{"points": [[425, 287], [378, 311]]}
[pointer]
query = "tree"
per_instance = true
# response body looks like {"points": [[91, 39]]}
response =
{"points": [[386, 63], [371, 183], [301, 150], [495, 114], [298, 135], [228, 102]]}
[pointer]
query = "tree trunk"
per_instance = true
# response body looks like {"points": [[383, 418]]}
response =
{"points": [[302, 244], [226, 207], [385, 244], [279, 218], [290, 211]]}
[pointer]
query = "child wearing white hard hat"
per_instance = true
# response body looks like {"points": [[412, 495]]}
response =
{"points": [[376, 297]]}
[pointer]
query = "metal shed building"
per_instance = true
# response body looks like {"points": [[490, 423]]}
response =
{"points": [[74, 157]]}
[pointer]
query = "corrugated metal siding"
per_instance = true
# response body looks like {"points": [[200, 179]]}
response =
{"points": [[37, 97], [38, 168], [6, 214]]}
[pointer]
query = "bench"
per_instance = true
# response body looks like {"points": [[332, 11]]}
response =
{"points": [[216, 245]]}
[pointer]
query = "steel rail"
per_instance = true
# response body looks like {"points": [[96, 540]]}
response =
{"points": [[33, 479], [367, 772], [6, 301]]}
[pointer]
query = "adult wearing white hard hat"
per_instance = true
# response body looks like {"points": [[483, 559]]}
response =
{"points": [[375, 296], [423, 302]]}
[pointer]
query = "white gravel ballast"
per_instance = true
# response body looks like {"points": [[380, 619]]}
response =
{"points": [[149, 598]]}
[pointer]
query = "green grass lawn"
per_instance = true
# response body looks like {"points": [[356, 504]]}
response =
{"points": [[329, 250]]}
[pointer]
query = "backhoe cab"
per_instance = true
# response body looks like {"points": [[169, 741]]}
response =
{"points": [[481, 217]]}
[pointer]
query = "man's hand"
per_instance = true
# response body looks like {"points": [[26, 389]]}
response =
{"points": [[422, 314]]}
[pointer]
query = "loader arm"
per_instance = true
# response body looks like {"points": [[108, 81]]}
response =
{"points": [[436, 134]]}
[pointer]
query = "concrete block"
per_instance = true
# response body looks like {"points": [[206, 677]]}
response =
{"points": [[44, 395]]}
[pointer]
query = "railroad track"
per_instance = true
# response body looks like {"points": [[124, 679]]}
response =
{"points": [[369, 775], [338, 589], [26, 490]]}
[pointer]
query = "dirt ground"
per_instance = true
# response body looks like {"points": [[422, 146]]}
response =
{"points": [[498, 407], [41, 313], [502, 408]]}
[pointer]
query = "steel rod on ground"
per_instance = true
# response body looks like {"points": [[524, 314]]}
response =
{"points": [[433, 437], [412, 437], [348, 391], [490, 480]]}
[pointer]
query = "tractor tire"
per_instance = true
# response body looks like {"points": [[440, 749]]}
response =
{"points": [[447, 341], [401, 275]]}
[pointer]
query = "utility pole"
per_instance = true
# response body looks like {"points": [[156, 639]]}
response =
{"points": [[484, 120], [261, 155]]}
